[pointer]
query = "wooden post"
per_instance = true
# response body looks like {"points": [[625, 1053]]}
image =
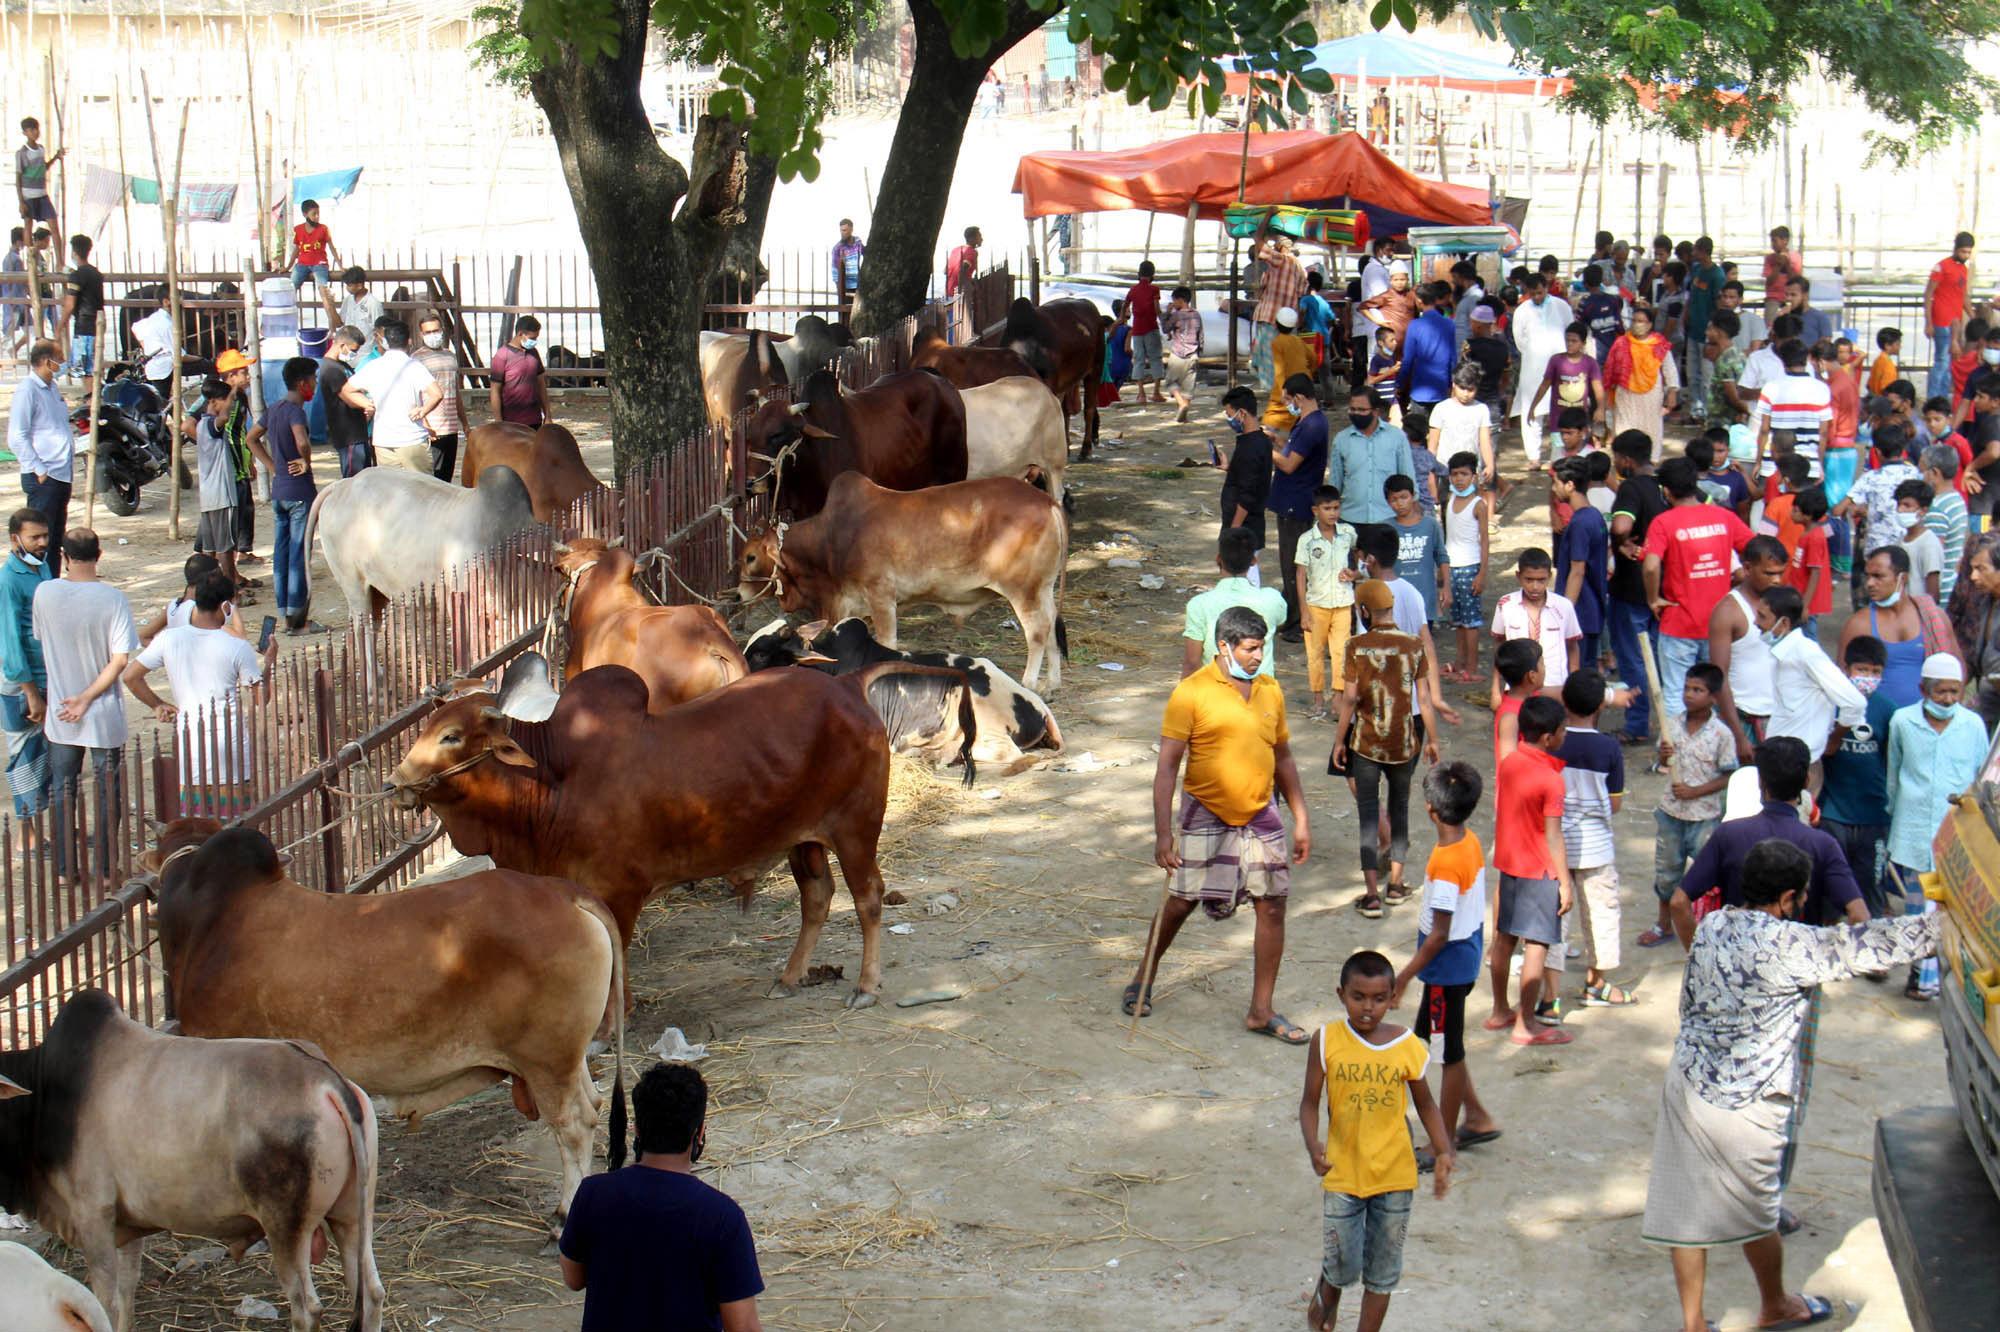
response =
{"points": [[96, 394], [1701, 190], [1660, 198], [124, 181], [169, 220], [1235, 252], [34, 293], [1187, 245], [1799, 228], [1582, 179], [256, 172], [253, 341], [59, 187], [1602, 171], [1151, 217]]}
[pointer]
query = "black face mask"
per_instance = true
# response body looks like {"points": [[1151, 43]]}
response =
{"points": [[1361, 420]]}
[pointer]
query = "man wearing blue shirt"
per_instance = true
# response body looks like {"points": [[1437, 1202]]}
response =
{"points": [[38, 434], [1936, 748], [24, 679], [1854, 797], [1430, 350], [1298, 470], [1364, 456]]}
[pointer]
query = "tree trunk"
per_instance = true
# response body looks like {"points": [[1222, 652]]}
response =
{"points": [[916, 180], [652, 277], [743, 274]]}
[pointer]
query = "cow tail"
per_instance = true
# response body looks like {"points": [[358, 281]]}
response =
{"points": [[968, 729], [614, 1149], [1062, 590], [306, 547]]}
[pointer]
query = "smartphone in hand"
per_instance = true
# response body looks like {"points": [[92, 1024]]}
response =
{"points": [[264, 637]]}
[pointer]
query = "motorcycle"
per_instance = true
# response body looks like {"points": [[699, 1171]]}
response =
{"points": [[134, 437]]}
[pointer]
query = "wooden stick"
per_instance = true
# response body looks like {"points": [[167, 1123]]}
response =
{"points": [[124, 181], [1149, 963], [1657, 697], [169, 207], [256, 162], [96, 392]]}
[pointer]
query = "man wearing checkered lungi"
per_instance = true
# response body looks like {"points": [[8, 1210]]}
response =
{"points": [[23, 679], [1228, 721]]}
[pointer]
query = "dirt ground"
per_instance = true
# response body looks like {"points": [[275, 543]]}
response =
{"points": [[1018, 1151]]}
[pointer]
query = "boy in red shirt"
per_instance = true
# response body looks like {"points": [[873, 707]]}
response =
{"points": [[1535, 892], [1937, 419], [311, 243], [1811, 569], [1149, 366], [1687, 571]]}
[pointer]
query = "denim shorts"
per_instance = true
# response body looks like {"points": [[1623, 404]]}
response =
{"points": [[1364, 1240], [1465, 607], [317, 272], [1676, 842]]}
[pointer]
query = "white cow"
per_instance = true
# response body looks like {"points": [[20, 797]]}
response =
{"points": [[1014, 427], [34, 1297]]}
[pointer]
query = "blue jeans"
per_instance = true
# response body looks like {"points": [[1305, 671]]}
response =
{"points": [[1862, 844], [1626, 624], [317, 272], [82, 354], [1590, 650], [1364, 1240], [1676, 842], [1924, 974], [1676, 656], [288, 555], [1938, 385], [73, 805]]}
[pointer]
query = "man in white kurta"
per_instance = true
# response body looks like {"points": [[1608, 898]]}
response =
{"points": [[1539, 321]]}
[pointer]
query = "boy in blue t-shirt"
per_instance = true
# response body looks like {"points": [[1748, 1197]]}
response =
{"points": [[1420, 554], [1583, 554], [1450, 944], [1854, 797]]}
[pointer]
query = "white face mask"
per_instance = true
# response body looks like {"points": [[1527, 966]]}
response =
{"points": [[32, 561], [1990, 355], [527, 344], [433, 340]]}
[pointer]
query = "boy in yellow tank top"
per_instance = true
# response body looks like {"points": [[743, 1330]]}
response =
{"points": [[1366, 1163]]}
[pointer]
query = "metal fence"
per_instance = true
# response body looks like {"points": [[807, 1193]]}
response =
{"points": [[305, 758]]}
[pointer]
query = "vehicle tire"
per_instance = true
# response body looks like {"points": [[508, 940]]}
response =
{"points": [[121, 492]]}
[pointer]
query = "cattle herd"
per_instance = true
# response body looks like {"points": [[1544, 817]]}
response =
{"points": [[650, 753]]}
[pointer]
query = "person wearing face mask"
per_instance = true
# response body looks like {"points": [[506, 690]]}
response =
{"points": [[1809, 694], [1909, 624], [1226, 843], [520, 391], [1732, 1107], [24, 680], [346, 426], [1301, 465], [1975, 617], [289, 457], [1539, 326], [447, 419], [1936, 749], [650, 1245], [1246, 482], [1853, 799]]}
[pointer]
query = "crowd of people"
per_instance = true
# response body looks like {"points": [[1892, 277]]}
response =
{"points": [[1720, 483]]}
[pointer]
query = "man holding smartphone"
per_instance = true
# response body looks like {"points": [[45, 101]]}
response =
{"points": [[206, 667]]}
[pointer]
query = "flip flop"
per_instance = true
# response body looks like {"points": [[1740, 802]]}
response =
{"points": [[1475, 1139], [1498, 1023], [1546, 1036], [1278, 1026], [1818, 1310], [1653, 937], [1131, 1000]]}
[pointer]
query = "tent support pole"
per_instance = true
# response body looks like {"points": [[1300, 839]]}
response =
{"points": [[1235, 253], [1187, 244]]}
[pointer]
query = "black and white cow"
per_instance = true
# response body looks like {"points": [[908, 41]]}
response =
{"points": [[110, 1131], [1013, 721]]}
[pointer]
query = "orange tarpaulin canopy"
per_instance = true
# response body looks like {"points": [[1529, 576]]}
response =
{"points": [[1299, 167]]}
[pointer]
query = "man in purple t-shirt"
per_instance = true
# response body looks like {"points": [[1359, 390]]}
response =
{"points": [[281, 443], [520, 391]]}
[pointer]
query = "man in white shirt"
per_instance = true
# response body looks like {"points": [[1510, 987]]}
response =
{"points": [[155, 336], [1764, 366], [1750, 331], [87, 637], [39, 434], [1374, 281], [1809, 693], [358, 308], [396, 393], [206, 667]]}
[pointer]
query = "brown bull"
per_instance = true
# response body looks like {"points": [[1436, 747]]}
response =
{"points": [[423, 996], [783, 765], [966, 367], [905, 431], [547, 461], [1063, 343], [681, 652]]}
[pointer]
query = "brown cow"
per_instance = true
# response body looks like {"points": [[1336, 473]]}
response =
{"points": [[681, 652], [966, 367], [423, 996], [1063, 342], [787, 764], [735, 371], [955, 547], [905, 431], [547, 461]]}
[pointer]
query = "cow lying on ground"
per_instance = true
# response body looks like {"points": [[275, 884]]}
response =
{"points": [[1012, 720], [385, 531], [547, 461], [969, 366], [905, 431], [1063, 342], [736, 369], [789, 764], [1014, 427], [110, 1131], [34, 1297], [955, 547], [423, 996], [681, 652]]}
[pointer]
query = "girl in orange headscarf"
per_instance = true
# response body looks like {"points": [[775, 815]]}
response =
{"points": [[1641, 382]]}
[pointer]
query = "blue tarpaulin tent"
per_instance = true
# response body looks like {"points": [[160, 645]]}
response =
{"points": [[1378, 57]]}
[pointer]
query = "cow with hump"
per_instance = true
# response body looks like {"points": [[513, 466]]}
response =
{"points": [[546, 459], [110, 1132], [905, 431], [955, 547], [681, 652], [34, 1297], [423, 996], [789, 765]]}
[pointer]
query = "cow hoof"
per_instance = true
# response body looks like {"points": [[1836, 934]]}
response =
{"points": [[780, 990], [860, 999]]}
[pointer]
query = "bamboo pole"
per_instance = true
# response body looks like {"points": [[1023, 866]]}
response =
{"points": [[96, 394], [1582, 179], [1701, 189], [256, 157], [124, 181], [1187, 245], [169, 219]]}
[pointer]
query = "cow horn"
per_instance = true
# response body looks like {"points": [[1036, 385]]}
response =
{"points": [[798, 409], [615, 543], [9, 1087], [559, 547], [492, 714]]}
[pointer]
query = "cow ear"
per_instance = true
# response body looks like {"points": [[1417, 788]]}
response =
{"points": [[512, 754], [811, 431], [151, 860], [9, 1087], [808, 632], [525, 692]]}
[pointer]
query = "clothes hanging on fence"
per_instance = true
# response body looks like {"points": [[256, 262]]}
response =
{"points": [[103, 191], [198, 203], [325, 185]]}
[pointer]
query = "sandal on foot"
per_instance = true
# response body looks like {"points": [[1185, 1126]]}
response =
{"points": [[1550, 1013], [1818, 1310], [1470, 1139], [1396, 894], [1426, 1161], [1498, 1022], [1545, 1036], [1654, 937], [1607, 995], [1131, 1000], [1282, 1028], [1370, 906]]}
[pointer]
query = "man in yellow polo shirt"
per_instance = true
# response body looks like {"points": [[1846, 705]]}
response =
{"points": [[1228, 722]]}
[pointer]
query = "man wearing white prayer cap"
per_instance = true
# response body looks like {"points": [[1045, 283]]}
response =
{"points": [[1936, 748]]}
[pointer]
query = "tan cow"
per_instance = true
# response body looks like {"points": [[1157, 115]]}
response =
{"points": [[736, 370], [956, 547], [681, 652], [547, 461], [1014, 427]]}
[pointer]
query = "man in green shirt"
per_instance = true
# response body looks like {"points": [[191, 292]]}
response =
{"points": [[1235, 554]]}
